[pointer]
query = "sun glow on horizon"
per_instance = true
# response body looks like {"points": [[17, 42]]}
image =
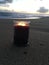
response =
{"points": [[25, 5], [30, 6]]}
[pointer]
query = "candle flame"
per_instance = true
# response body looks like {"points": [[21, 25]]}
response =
{"points": [[21, 24]]}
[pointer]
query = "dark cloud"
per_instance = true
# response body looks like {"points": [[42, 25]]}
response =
{"points": [[42, 10], [5, 1], [9, 1]]}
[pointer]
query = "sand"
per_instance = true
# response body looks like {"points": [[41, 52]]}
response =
{"points": [[35, 54]]}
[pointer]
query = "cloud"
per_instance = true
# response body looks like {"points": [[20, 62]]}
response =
{"points": [[10, 1], [42, 10], [5, 1]]}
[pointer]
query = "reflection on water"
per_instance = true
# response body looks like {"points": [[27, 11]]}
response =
{"points": [[13, 15], [4, 16]]}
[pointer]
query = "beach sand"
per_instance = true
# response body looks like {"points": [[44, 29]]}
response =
{"points": [[35, 54]]}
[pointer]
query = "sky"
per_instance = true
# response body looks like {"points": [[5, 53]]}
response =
{"points": [[31, 6]]}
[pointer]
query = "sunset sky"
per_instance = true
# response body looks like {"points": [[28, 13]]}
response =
{"points": [[30, 6]]}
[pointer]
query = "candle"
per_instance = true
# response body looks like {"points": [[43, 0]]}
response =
{"points": [[21, 33]]}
